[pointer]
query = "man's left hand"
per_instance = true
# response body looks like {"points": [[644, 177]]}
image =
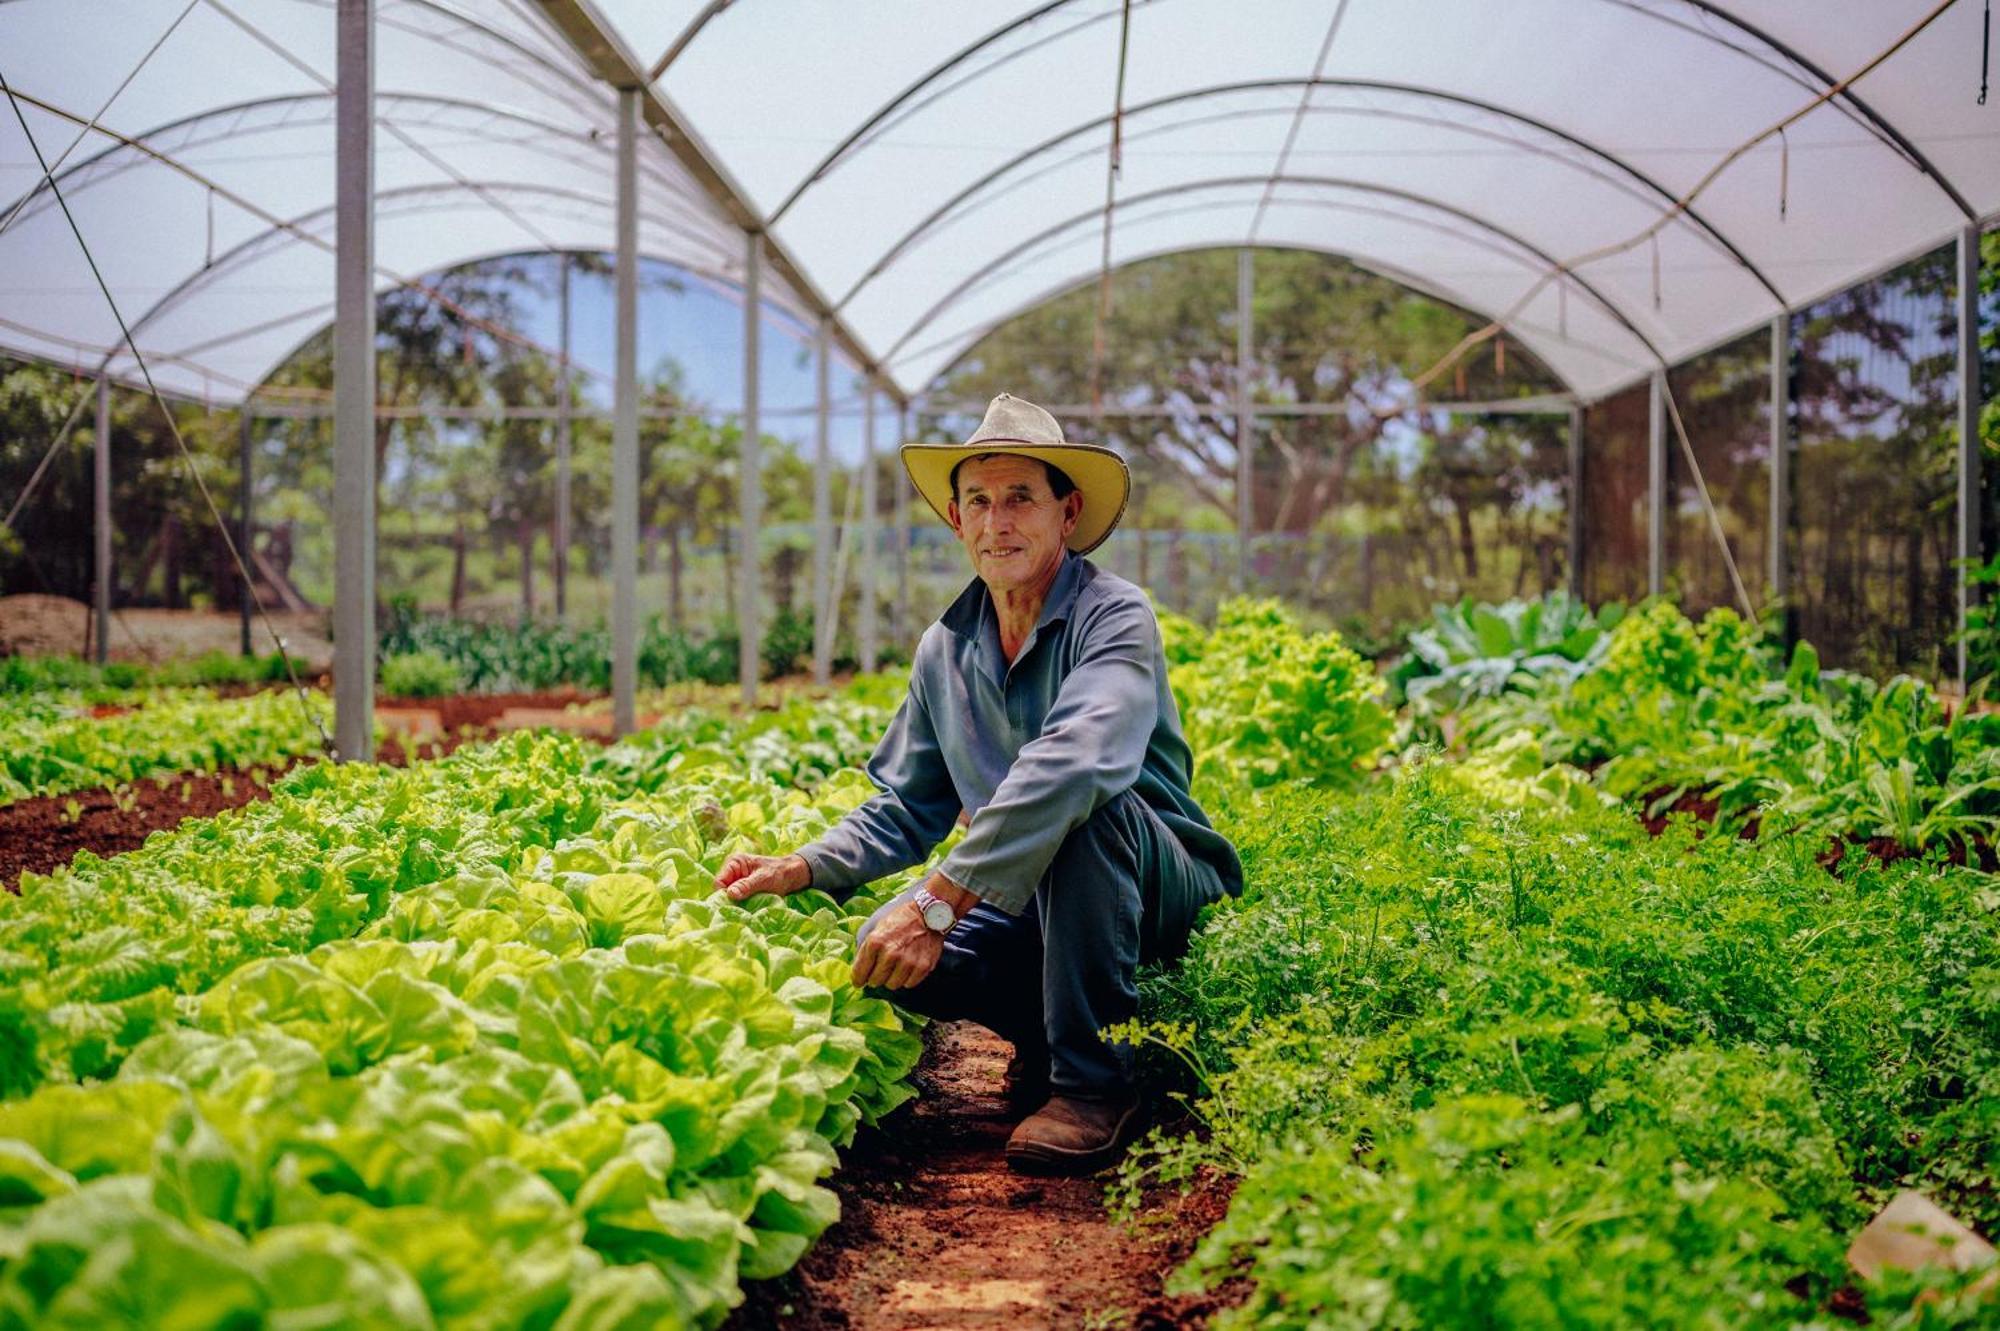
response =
{"points": [[899, 953]]}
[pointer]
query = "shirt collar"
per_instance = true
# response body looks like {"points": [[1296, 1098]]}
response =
{"points": [[966, 614]]}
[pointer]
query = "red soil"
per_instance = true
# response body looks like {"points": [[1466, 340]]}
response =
{"points": [[1703, 809], [935, 1231]]}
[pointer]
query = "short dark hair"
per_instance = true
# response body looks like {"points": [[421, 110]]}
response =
{"points": [[1059, 482]]}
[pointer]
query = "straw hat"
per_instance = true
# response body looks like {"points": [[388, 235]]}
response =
{"points": [[1015, 426]]}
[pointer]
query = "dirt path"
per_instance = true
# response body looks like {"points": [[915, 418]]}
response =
{"points": [[936, 1234]]}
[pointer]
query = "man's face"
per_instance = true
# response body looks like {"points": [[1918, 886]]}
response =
{"points": [[1010, 522]]}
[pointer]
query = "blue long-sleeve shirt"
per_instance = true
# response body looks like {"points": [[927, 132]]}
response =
{"points": [[1030, 750]]}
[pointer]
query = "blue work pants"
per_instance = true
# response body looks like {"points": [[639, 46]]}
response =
{"points": [[1120, 892]]}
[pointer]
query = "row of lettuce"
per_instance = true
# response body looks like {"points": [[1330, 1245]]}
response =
{"points": [[57, 743], [1477, 1047], [1657, 707], [468, 1044]]}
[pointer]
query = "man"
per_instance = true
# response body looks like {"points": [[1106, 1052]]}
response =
{"points": [[1039, 707]]}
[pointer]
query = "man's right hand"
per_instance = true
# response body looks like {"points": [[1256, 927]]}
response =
{"points": [[745, 876]]}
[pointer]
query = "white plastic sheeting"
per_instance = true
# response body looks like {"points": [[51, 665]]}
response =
{"points": [[206, 192], [934, 169], [1464, 145]]}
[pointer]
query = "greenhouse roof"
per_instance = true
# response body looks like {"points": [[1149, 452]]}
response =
{"points": [[925, 171]]}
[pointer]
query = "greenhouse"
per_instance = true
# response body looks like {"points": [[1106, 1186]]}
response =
{"points": [[1100, 663]]}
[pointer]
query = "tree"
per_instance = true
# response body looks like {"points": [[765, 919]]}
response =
{"points": [[690, 467], [1325, 332]]}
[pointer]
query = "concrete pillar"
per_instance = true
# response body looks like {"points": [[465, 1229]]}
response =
{"points": [[1245, 426], [870, 628], [562, 516], [1656, 485], [245, 516], [1969, 546], [100, 522], [822, 513], [904, 630], [1576, 484], [354, 383], [1777, 557], [625, 428], [750, 493]]}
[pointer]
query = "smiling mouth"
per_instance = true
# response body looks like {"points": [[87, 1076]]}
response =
{"points": [[1005, 551]]}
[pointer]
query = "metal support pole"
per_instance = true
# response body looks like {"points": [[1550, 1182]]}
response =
{"points": [[1576, 483], [1245, 428], [822, 515], [870, 630], [354, 384], [751, 493], [245, 518], [904, 637], [1656, 485], [100, 521], [1969, 546], [562, 517], [1777, 556], [625, 429]]}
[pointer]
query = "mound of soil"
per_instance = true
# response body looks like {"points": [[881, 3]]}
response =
{"points": [[936, 1232], [36, 625]]}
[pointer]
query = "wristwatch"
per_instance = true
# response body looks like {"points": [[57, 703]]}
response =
{"points": [[938, 915]]}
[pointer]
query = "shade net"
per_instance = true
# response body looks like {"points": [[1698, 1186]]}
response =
{"points": [[1613, 504], [1876, 475], [1724, 402]]}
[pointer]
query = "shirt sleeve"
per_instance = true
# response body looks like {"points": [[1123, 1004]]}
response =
{"points": [[914, 807], [1091, 748]]}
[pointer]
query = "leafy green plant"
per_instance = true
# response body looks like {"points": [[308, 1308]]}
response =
{"points": [[51, 744], [1476, 650], [1265, 698], [111, 683], [422, 674], [1461, 1042], [1981, 634], [1674, 709], [788, 643], [472, 1043], [531, 656]]}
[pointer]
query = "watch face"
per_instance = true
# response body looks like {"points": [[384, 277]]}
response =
{"points": [[938, 916]]}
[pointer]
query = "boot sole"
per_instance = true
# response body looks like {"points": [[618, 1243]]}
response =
{"points": [[1042, 1159]]}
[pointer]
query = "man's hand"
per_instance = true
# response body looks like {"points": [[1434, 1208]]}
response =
{"points": [[745, 876], [899, 953], [902, 950]]}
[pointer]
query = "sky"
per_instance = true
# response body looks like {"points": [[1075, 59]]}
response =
{"points": [[700, 326]]}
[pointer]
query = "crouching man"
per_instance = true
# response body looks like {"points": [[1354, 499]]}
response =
{"points": [[1039, 707]]}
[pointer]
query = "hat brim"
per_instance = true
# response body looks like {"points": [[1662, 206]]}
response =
{"points": [[1101, 477]]}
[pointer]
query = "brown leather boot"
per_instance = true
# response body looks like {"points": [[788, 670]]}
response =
{"points": [[1072, 1136]]}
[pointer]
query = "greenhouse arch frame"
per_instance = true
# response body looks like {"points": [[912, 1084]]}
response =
{"points": [[1819, 154]]}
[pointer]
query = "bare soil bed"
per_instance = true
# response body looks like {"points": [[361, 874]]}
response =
{"points": [[936, 1232]]}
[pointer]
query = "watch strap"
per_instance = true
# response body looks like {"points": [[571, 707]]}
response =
{"points": [[923, 899]]}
